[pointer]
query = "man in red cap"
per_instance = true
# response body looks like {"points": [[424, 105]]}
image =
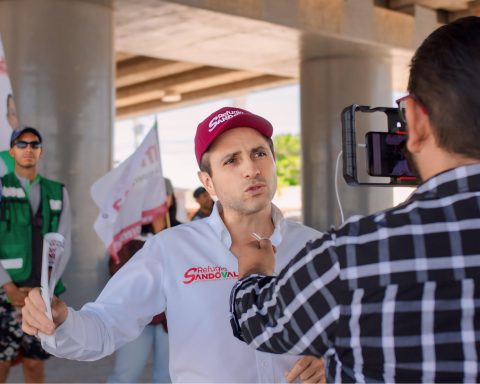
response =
{"points": [[188, 271]]}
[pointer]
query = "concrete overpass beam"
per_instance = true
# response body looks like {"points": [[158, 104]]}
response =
{"points": [[60, 58], [327, 86]]}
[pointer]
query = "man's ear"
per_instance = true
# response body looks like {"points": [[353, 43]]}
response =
{"points": [[206, 180], [418, 126]]}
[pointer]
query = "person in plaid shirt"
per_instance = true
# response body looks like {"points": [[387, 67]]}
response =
{"points": [[394, 296]]}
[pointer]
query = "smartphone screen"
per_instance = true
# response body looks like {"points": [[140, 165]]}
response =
{"points": [[386, 155]]}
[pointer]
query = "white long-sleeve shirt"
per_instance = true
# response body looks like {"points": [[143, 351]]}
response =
{"points": [[188, 271]]}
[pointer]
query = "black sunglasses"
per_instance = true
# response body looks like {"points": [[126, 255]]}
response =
{"points": [[24, 144]]}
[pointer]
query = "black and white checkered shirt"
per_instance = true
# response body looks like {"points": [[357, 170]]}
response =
{"points": [[394, 296]]}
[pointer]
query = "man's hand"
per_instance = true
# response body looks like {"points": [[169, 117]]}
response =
{"points": [[309, 369], [15, 295], [256, 257], [34, 317]]}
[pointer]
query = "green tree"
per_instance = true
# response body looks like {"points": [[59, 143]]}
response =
{"points": [[287, 148]]}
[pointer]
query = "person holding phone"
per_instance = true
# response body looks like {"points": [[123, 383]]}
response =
{"points": [[394, 296]]}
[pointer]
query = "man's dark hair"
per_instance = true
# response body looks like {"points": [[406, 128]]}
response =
{"points": [[445, 78], [197, 192], [205, 165]]}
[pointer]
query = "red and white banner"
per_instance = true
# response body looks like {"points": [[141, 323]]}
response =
{"points": [[130, 195], [8, 113]]}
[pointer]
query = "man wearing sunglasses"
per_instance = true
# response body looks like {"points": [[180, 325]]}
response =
{"points": [[394, 296], [30, 206]]}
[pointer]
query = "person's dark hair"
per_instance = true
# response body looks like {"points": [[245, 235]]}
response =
{"points": [[205, 161], [445, 78], [172, 212], [9, 96], [172, 215], [197, 192]]}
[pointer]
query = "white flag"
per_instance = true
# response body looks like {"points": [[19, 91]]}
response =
{"points": [[8, 114], [130, 195], [53, 246]]}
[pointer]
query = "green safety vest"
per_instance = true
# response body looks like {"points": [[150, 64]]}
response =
{"points": [[16, 221], [8, 160]]}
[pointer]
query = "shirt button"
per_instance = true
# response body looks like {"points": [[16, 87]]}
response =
{"points": [[263, 364]]}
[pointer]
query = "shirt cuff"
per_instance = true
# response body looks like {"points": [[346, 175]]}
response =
{"points": [[66, 325], [4, 277]]}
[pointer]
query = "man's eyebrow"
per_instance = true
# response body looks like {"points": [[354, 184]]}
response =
{"points": [[228, 156], [260, 147]]}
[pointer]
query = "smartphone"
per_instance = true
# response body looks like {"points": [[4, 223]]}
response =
{"points": [[387, 154], [382, 153]]}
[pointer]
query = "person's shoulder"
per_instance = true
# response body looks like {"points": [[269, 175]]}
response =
{"points": [[51, 181], [389, 218], [198, 216], [295, 226]]}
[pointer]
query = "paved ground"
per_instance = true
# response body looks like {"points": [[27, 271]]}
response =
{"points": [[67, 371]]}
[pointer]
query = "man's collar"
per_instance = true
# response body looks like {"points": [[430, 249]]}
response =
{"points": [[24, 180], [457, 180], [216, 223]]}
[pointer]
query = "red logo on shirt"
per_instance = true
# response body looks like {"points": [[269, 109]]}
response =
{"points": [[208, 273]]}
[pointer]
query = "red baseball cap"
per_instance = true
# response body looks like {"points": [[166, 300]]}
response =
{"points": [[224, 119]]}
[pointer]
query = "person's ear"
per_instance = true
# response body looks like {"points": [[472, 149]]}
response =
{"points": [[207, 182], [11, 152], [418, 126]]}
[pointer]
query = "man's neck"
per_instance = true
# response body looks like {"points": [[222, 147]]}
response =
{"points": [[205, 211], [241, 226], [443, 161], [26, 173]]}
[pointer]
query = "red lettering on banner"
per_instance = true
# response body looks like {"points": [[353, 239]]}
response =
{"points": [[152, 156]]}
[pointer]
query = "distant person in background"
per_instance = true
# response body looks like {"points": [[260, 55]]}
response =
{"points": [[30, 207], [12, 117], [7, 164], [205, 201], [131, 359]]}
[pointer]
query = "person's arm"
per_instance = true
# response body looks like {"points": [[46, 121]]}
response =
{"points": [[15, 295], [127, 303], [3, 168], [295, 312], [4, 276]]}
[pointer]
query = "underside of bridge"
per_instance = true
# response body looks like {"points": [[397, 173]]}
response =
{"points": [[174, 53]]}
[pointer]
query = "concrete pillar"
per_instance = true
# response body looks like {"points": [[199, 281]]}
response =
{"points": [[329, 84], [60, 58]]}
